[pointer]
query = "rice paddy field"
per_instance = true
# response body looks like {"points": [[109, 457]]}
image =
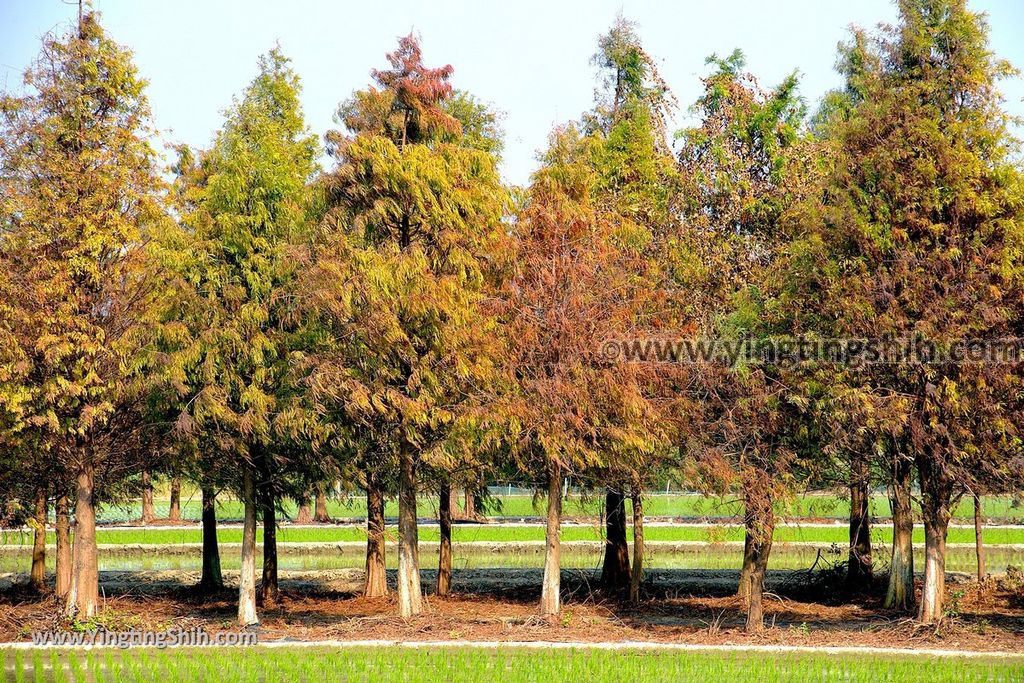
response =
{"points": [[507, 664], [518, 505], [510, 542], [497, 564]]}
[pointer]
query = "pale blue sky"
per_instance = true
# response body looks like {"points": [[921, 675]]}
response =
{"points": [[529, 59]]}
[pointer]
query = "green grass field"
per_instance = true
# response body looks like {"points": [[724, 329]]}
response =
{"points": [[505, 664], [881, 534], [676, 505]]}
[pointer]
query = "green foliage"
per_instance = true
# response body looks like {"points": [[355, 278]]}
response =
{"points": [[399, 273], [628, 76], [584, 273], [480, 125], [917, 235], [242, 205], [79, 195], [743, 168], [577, 283]]}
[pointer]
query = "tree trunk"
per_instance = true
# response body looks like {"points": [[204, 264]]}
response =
{"points": [[148, 514], [858, 575], [453, 505], [900, 593], [934, 591], [936, 509], [84, 595], [469, 505], [638, 544], [763, 528], [749, 557], [305, 515], [37, 577], [270, 593], [550, 594], [63, 533], [174, 512], [211, 579], [410, 596], [615, 576], [376, 573], [247, 579], [320, 508], [755, 606], [979, 546], [444, 562]]}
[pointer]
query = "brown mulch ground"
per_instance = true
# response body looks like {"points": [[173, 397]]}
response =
{"points": [[986, 616]]}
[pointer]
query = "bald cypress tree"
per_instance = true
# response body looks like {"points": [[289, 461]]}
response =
{"points": [[80, 195], [398, 283], [230, 356], [921, 223], [635, 184], [744, 166]]}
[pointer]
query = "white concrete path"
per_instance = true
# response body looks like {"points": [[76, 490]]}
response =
{"points": [[573, 645]]}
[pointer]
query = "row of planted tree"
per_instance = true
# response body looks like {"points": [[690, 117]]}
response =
{"points": [[404, 321]]}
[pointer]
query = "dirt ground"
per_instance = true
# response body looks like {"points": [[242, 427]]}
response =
{"points": [[680, 606]]}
